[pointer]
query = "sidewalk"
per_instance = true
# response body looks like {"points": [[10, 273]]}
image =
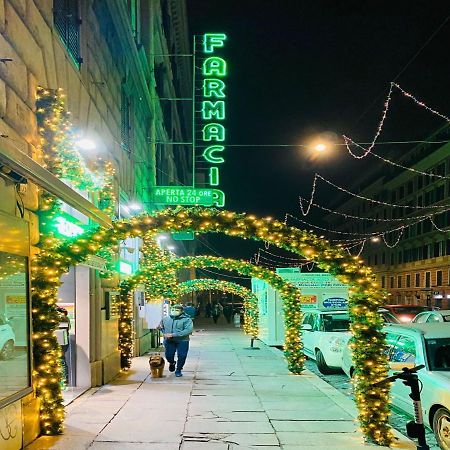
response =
{"points": [[228, 398]]}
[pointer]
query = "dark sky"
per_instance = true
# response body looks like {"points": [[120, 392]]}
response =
{"points": [[298, 68]]}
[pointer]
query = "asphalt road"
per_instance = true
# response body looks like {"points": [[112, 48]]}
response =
{"points": [[398, 419]]}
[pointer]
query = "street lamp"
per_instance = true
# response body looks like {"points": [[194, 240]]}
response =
{"points": [[320, 147]]}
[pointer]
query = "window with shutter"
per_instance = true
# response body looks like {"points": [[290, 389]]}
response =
{"points": [[67, 22]]}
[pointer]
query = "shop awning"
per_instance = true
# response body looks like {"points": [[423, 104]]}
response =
{"points": [[25, 166]]}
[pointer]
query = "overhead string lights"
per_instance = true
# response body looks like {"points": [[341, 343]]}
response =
{"points": [[366, 150], [305, 211], [373, 219]]}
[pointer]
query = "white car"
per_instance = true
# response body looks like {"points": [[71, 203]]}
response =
{"points": [[412, 345], [7, 339], [325, 335], [442, 315]]}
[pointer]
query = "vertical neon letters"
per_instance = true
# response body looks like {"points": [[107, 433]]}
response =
{"points": [[213, 109]]}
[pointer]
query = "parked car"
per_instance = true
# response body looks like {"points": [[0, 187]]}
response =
{"points": [[325, 334], [411, 345], [7, 339], [442, 315], [406, 313], [388, 317]]}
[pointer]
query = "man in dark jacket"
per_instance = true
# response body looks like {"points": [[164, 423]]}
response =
{"points": [[176, 329]]}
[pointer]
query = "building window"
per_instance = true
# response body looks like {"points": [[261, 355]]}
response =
{"points": [[417, 276], [67, 21], [14, 325], [439, 278], [125, 121], [391, 282], [375, 260], [439, 193], [399, 281], [427, 279], [134, 10], [383, 281], [383, 257], [408, 280], [392, 259]]}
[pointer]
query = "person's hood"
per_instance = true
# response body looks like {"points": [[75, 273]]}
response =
{"points": [[181, 316]]}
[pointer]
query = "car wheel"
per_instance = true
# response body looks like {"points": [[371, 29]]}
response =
{"points": [[322, 365], [7, 351], [441, 428]]}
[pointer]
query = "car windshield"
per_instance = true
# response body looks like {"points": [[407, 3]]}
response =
{"points": [[335, 322], [438, 353], [413, 311]]}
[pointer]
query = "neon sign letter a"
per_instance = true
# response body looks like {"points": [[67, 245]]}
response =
{"points": [[214, 132], [214, 66]]}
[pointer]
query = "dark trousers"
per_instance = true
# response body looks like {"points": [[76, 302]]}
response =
{"points": [[180, 347]]}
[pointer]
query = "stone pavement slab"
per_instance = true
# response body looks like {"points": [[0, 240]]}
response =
{"points": [[229, 398]]}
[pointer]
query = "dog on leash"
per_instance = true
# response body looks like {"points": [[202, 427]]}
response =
{"points": [[157, 363]]}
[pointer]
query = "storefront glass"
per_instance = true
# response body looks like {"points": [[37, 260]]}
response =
{"points": [[14, 325]]}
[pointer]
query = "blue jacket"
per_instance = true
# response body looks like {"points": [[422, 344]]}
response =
{"points": [[181, 326]]}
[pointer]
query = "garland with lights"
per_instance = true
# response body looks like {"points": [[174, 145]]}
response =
{"points": [[251, 312], [154, 279], [63, 160], [365, 295]]}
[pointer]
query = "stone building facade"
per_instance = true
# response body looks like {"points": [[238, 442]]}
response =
{"points": [[115, 62]]}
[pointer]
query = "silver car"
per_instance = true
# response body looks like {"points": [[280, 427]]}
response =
{"points": [[442, 315], [411, 345]]}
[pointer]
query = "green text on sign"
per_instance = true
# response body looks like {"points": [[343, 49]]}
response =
{"points": [[176, 195]]}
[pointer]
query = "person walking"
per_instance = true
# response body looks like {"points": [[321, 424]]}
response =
{"points": [[190, 310], [228, 312], [216, 311], [208, 310], [176, 329]]}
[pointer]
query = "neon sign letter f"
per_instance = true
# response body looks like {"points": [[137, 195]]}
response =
{"points": [[212, 40]]}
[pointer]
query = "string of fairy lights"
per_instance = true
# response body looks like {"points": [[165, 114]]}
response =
{"points": [[367, 150]]}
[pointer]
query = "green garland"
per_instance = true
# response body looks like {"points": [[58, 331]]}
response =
{"points": [[64, 161], [251, 312], [365, 295]]}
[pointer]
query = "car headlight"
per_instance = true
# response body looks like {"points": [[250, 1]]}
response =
{"points": [[337, 344]]}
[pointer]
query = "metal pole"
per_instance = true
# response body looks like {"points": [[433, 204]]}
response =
{"points": [[193, 111]]}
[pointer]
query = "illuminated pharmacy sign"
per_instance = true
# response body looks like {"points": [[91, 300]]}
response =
{"points": [[210, 112]]}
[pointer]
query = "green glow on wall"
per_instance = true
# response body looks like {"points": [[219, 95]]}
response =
{"points": [[214, 132], [214, 176], [212, 41], [208, 154], [214, 66], [213, 87], [213, 110]]}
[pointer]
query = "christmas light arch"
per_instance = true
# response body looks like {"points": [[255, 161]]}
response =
{"points": [[365, 296], [250, 300]]}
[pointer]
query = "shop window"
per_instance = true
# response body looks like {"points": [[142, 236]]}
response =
{"points": [[67, 21], [14, 326], [439, 278]]}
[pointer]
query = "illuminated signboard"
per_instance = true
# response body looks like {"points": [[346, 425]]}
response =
{"points": [[210, 112], [183, 195]]}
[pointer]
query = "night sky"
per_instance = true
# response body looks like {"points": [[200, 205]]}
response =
{"points": [[301, 68]]}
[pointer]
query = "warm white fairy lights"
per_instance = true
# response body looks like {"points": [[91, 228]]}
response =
{"points": [[366, 150], [305, 211]]}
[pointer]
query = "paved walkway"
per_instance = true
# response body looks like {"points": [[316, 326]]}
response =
{"points": [[229, 398]]}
